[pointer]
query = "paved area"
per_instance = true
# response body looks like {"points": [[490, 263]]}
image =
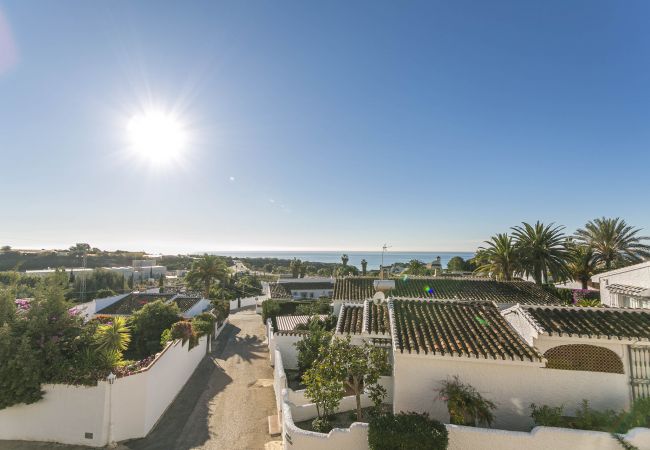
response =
{"points": [[224, 405]]}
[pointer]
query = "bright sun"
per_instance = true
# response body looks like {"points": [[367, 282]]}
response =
{"points": [[157, 136]]}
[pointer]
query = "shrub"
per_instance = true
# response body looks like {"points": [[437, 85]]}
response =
{"points": [[165, 337], [221, 309], [547, 416], [203, 324], [406, 431], [310, 346], [465, 404], [147, 326], [183, 330], [321, 425]]}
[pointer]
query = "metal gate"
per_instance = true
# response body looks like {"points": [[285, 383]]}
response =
{"points": [[640, 371]]}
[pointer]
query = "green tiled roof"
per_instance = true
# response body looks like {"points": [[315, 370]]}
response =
{"points": [[592, 322], [452, 328], [133, 302], [472, 289]]}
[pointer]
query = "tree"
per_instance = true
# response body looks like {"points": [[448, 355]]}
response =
{"points": [[457, 264], [268, 268], [357, 366], [205, 272], [582, 263], [416, 267], [344, 271], [295, 267], [614, 242], [325, 389], [542, 251], [161, 282], [80, 249], [5, 248], [114, 337], [500, 258], [147, 325], [344, 259], [364, 267], [310, 347]]}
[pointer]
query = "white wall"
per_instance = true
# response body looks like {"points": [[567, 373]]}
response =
{"points": [[286, 344], [135, 402], [637, 275], [200, 306], [513, 387], [244, 302], [64, 414]]}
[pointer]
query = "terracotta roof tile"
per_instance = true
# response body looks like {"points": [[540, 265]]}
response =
{"points": [[471, 289], [592, 322], [452, 328]]}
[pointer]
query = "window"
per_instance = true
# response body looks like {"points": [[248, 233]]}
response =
{"points": [[633, 302], [589, 358]]}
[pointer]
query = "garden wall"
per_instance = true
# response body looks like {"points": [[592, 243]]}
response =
{"points": [[133, 404], [513, 387], [244, 302], [285, 342]]}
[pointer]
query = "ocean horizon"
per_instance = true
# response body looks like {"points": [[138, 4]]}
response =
{"points": [[373, 258]]}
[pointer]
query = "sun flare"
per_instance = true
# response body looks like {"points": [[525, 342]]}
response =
{"points": [[157, 136]]}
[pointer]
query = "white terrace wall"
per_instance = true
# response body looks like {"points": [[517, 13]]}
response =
{"points": [[135, 402], [513, 387], [285, 342], [244, 302]]}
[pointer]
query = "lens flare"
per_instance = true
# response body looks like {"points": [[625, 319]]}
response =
{"points": [[156, 137]]}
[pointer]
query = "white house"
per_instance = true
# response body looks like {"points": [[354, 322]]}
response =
{"points": [[300, 288], [625, 287]]}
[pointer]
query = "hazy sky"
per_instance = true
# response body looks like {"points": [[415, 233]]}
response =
{"points": [[321, 125]]}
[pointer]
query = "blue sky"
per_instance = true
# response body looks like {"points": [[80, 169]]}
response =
{"points": [[335, 125]]}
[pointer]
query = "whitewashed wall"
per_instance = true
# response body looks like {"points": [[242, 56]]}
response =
{"points": [[513, 387], [200, 306], [286, 344], [636, 275], [244, 302], [135, 403], [64, 414]]}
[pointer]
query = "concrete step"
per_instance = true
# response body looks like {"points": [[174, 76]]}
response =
{"points": [[275, 428]]}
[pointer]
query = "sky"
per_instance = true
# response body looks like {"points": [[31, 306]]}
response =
{"points": [[332, 125]]}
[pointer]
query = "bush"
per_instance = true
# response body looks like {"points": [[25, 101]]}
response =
{"points": [[147, 326], [221, 309], [547, 416], [321, 425], [203, 324], [406, 431]]}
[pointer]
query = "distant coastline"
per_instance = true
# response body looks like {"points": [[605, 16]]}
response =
{"points": [[373, 258]]}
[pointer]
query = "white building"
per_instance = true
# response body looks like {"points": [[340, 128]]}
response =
{"points": [[300, 288], [626, 287]]}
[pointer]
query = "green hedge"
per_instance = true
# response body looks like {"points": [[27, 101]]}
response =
{"points": [[406, 431]]}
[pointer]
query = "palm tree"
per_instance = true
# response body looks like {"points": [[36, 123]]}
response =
{"points": [[613, 241], [364, 266], [582, 263], [416, 267], [206, 271], [295, 266], [114, 337], [500, 258], [542, 250], [344, 259]]}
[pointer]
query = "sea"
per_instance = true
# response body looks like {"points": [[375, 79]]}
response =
{"points": [[374, 258]]}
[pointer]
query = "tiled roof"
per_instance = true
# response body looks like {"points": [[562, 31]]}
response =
{"points": [[451, 328], [132, 302], [279, 292], [377, 320], [350, 319], [592, 322], [633, 291], [185, 303], [361, 288], [289, 323], [307, 285]]}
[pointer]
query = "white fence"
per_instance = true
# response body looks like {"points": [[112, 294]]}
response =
{"points": [[98, 415]]}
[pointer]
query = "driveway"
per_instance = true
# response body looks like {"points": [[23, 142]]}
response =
{"points": [[225, 403]]}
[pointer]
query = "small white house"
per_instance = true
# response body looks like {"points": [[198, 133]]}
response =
{"points": [[626, 287], [301, 289]]}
